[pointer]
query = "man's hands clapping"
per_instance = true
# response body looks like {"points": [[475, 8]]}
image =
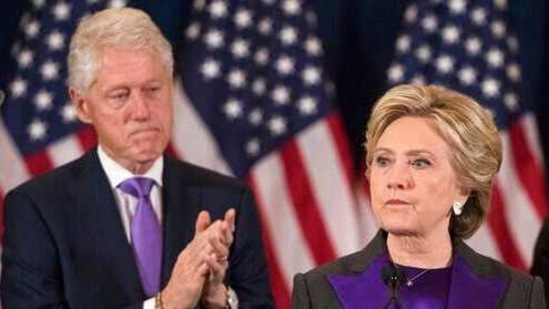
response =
{"points": [[201, 267]]}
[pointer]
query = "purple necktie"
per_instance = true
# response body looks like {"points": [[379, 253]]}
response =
{"points": [[145, 233]]}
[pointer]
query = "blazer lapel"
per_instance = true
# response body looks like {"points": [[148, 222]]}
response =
{"points": [[180, 210], [97, 212], [362, 290], [361, 286], [471, 286]]}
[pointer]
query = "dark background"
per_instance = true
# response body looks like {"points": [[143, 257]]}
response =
{"points": [[358, 38]]}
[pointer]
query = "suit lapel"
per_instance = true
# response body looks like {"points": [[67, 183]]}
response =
{"points": [[362, 274], [180, 210], [98, 212], [472, 285], [350, 289]]}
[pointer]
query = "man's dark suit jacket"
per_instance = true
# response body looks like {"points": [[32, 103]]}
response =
{"points": [[65, 246], [471, 285]]}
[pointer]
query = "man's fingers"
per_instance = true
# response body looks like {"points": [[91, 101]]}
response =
{"points": [[230, 217], [214, 237], [223, 233], [204, 270], [217, 267], [202, 222], [220, 249]]}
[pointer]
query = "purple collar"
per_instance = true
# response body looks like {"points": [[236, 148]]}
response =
{"points": [[467, 289]]}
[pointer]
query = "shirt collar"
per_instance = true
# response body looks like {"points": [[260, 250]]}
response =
{"points": [[117, 174]]}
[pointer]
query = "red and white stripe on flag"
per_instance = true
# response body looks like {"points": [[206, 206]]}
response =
{"points": [[16, 169], [518, 198], [303, 191]]}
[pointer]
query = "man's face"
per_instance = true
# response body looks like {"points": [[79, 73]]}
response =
{"points": [[130, 105]]}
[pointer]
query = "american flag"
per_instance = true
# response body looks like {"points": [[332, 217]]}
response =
{"points": [[252, 101], [255, 102], [470, 47], [38, 125]]}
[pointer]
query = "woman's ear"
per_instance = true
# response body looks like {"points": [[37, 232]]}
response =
{"points": [[81, 105], [465, 193]]}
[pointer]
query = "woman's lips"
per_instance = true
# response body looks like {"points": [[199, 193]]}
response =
{"points": [[396, 202]]}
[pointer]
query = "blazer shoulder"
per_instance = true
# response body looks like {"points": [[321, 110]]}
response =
{"points": [[54, 181], [352, 263], [200, 176], [523, 290], [313, 289], [355, 262], [488, 266], [348, 264], [492, 266]]}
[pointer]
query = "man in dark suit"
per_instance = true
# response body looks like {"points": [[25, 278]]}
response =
{"points": [[124, 225]]}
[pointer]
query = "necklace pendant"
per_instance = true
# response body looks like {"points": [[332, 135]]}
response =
{"points": [[409, 283]]}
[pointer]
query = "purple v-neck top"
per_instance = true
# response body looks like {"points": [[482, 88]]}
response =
{"points": [[428, 290], [453, 287]]}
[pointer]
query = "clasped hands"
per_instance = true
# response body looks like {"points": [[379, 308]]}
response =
{"points": [[200, 268]]}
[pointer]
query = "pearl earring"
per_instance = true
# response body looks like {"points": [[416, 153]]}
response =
{"points": [[457, 207]]}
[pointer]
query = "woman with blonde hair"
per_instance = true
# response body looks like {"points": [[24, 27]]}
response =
{"points": [[432, 155]]}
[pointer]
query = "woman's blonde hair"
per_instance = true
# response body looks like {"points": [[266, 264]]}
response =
{"points": [[112, 28], [465, 126]]}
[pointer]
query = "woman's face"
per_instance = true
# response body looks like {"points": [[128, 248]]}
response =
{"points": [[412, 182]]}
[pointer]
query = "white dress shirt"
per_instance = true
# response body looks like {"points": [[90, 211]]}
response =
{"points": [[127, 203]]}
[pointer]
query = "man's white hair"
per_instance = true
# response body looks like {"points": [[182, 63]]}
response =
{"points": [[112, 28]]}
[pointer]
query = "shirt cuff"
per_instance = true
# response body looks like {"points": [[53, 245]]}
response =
{"points": [[149, 303]]}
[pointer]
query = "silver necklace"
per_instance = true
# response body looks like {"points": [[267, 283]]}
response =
{"points": [[410, 281]]}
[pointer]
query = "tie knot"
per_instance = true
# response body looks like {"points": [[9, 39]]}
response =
{"points": [[137, 186]]}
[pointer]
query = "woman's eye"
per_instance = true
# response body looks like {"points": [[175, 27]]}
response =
{"points": [[421, 163], [382, 161]]}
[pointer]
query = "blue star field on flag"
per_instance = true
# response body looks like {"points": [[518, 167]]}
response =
{"points": [[253, 71], [37, 110], [465, 45]]}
